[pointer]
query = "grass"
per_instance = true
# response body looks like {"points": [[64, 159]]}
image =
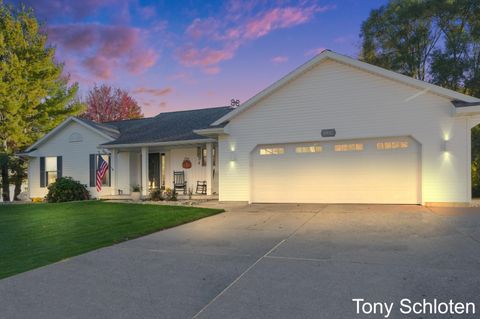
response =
{"points": [[34, 235]]}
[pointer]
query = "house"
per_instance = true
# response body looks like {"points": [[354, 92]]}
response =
{"points": [[334, 130]]}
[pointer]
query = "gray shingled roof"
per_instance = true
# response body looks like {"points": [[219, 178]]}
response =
{"points": [[165, 127], [102, 127]]}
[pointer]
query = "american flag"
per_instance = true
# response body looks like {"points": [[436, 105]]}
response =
{"points": [[102, 167]]}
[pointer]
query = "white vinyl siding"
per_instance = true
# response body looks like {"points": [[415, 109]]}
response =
{"points": [[358, 105], [75, 157]]}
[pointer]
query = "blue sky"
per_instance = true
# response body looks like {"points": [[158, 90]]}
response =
{"points": [[173, 55]]}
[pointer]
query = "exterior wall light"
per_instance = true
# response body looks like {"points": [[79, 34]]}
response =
{"points": [[233, 157], [445, 145]]}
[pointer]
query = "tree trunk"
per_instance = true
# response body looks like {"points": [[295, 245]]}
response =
{"points": [[18, 188], [5, 179]]}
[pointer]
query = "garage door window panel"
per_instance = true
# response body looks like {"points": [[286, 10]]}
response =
{"points": [[308, 149], [272, 151], [392, 145], [353, 147]]}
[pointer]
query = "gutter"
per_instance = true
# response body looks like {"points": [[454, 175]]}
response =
{"points": [[169, 143], [214, 131]]}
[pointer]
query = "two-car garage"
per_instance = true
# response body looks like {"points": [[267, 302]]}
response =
{"points": [[381, 170]]}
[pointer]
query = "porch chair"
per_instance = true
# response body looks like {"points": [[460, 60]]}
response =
{"points": [[179, 181], [201, 187]]}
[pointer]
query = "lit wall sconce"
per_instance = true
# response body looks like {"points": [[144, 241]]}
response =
{"points": [[233, 157], [445, 145]]}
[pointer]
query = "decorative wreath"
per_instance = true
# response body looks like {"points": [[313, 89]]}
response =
{"points": [[186, 164]]}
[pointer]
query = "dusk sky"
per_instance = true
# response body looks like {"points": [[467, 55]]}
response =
{"points": [[174, 55]]}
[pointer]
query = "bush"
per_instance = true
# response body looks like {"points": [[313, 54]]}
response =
{"points": [[170, 194], [66, 189], [156, 194]]}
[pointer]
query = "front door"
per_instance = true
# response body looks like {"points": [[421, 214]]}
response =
{"points": [[154, 170]]}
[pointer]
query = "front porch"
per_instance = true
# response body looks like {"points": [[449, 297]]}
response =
{"points": [[153, 166]]}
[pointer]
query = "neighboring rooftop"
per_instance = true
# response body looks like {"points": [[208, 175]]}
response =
{"points": [[165, 127]]}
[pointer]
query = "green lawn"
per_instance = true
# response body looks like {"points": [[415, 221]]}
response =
{"points": [[34, 235]]}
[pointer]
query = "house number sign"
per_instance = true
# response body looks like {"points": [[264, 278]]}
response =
{"points": [[329, 132]]}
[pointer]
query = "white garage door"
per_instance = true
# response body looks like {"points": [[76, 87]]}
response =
{"points": [[383, 170]]}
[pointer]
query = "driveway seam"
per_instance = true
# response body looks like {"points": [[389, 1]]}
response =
{"points": [[255, 263]]}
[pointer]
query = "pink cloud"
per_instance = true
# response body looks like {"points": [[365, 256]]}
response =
{"points": [[103, 49], [203, 57], [279, 59], [202, 28], [99, 66], [148, 12], [236, 27], [276, 19], [152, 91], [142, 60], [212, 70], [315, 51]]}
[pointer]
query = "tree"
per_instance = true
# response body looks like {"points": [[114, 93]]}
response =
{"points": [[34, 96], [105, 104], [433, 40], [400, 36]]}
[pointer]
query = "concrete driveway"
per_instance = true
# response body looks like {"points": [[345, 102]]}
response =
{"points": [[265, 261]]}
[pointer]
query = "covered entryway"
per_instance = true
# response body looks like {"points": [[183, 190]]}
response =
{"points": [[381, 170]]}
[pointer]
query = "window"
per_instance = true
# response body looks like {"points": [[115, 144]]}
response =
{"points": [[204, 156], [308, 149], [51, 173], [392, 145], [272, 151], [106, 177], [75, 137], [162, 170], [349, 147]]}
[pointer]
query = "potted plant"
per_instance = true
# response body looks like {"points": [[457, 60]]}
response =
{"points": [[136, 193]]}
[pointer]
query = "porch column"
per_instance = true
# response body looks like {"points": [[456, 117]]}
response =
{"points": [[114, 164], [145, 170], [209, 169]]}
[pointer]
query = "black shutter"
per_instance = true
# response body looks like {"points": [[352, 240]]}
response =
{"points": [[59, 167], [42, 172], [92, 170], [109, 172]]}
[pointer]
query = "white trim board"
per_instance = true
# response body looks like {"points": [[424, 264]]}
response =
{"points": [[327, 54]]}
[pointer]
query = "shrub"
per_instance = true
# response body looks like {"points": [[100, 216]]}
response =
{"points": [[156, 194], [170, 194], [136, 189], [66, 189]]}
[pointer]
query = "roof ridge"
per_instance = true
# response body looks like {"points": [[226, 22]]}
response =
{"points": [[199, 109]]}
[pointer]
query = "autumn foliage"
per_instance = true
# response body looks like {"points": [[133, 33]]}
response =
{"points": [[105, 104]]}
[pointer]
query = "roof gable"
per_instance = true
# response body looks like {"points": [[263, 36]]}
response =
{"points": [[96, 127], [327, 54]]}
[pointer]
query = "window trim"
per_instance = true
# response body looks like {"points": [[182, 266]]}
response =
{"points": [[47, 183]]}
